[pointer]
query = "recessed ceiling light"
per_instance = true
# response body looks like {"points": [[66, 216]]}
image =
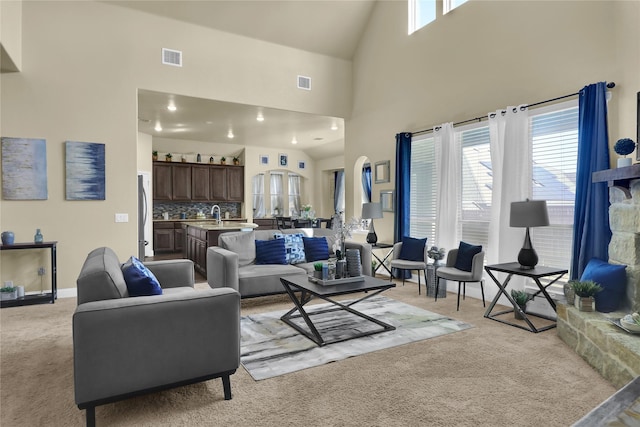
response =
{"points": [[158, 128], [260, 117], [334, 127], [294, 141], [209, 122], [171, 107], [230, 134]]}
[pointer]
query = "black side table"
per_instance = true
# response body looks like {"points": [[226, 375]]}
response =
{"points": [[381, 261], [513, 268]]}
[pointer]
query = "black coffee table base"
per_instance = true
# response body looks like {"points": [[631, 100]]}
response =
{"points": [[309, 290]]}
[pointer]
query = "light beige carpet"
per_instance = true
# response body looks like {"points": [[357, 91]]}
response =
{"points": [[490, 375]]}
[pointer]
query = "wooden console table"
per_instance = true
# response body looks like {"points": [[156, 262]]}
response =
{"points": [[44, 298]]}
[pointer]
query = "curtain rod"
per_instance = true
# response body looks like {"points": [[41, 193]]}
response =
{"points": [[610, 85]]}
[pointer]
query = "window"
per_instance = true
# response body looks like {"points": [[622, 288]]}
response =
{"points": [[554, 136], [294, 194], [475, 204], [449, 5], [277, 199], [421, 12], [423, 188], [258, 196]]}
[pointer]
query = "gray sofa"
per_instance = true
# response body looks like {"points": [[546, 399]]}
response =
{"points": [[124, 346], [232, 262]]}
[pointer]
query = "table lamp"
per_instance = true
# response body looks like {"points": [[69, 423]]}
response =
{"points": [[530, 213], [371, 211]]}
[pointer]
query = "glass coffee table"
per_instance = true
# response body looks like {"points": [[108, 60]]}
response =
{"points": [[301, 291]]}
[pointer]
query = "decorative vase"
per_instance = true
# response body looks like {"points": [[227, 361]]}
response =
{"points": [[317, 274], [167, 158], [623, 162], [236, 162], [584, 303], [223, 162], [7, 237], [569, 294], [198, 158], [517, 314], [154, 157], [211, 159], [38, 237], [6, 296]]}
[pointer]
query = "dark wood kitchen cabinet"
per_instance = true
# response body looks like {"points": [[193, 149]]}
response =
{"points": [[200, 183], [187, 182], [163, 237], [162, 183], [181, 180]]}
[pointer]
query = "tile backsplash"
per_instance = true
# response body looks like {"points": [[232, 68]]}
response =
{"points": [[192, 208]]}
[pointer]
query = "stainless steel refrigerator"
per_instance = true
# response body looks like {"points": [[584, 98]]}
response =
{"points": [[144, 221]]}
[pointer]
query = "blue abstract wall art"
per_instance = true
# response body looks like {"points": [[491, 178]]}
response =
{"points": [[24, 169], [85, 164]]}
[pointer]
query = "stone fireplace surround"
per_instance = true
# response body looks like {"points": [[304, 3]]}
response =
{"points": [[614, 353]]}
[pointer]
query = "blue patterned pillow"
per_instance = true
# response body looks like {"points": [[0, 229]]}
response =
{"points": [[294, 247], [270, 252], [316, 248], [139, 279]]}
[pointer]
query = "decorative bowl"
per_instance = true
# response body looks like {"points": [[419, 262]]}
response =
{"points": [[629, 323]]}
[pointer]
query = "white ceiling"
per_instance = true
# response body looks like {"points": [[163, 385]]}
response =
{"points": [[328, 27], [205, 120]]}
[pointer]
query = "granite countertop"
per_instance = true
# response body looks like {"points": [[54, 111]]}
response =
{"points": [[232, 225], [198, 220]]}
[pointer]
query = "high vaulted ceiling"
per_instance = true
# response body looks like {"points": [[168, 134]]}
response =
{"points": [[328, 27]]}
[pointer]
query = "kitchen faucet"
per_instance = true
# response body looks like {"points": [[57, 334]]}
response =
{"points": [[218, 218]]}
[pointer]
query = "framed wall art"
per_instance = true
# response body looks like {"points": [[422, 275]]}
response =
{"points": [[382, 173], [24, 169], [386, 200], [283, 160], [264, 159], [85, 166], [302, 165]]}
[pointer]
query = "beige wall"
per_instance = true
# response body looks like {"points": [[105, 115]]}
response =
{"points": [[483, 56], [82, 64]]}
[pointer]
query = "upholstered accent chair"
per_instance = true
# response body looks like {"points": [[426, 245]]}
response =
{"points": [[125, 346], [450, 272], [412, 257]]}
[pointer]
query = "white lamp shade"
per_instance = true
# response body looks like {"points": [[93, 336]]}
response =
{"points": [[530, 213], [371, 210]]}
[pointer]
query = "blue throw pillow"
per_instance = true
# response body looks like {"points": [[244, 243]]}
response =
{"points": [[270, 252], [316, 248], [294, 247], [139, 279], [612, 278], [466, 252], [412, 249]]}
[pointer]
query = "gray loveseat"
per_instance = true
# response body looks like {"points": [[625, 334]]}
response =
{"points": [[232, 262], [124, 346]]}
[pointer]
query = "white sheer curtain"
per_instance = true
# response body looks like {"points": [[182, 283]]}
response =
{"points": [[511, 164], [258, 196], [294, 194], [448, 159], [338, 198], [277, 202]]}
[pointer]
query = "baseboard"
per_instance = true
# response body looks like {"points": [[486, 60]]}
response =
{"points": [[68, 293]]}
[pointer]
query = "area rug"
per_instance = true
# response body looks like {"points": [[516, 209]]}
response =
{"points": [[270, 347]]}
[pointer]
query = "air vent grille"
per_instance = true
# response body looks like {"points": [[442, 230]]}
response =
{"points": [[304, 82], [172, 57]]}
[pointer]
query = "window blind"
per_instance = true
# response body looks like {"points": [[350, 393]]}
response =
{"points": [[423, 188]]}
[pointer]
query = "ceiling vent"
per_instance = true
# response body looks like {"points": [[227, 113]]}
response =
{"points": [[304, 82], [172, 57]]}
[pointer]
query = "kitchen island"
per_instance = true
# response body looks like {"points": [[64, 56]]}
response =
{"points": [[201, 235]]}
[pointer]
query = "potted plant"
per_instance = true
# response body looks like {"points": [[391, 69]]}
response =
{"points": [[168, 157], [223, 160], [154, 155], [584, 290], [236, 161], [623, 147], [317, 270], [8, 293], [521, 298]]}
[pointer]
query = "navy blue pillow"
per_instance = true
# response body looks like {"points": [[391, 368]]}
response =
{"points": [[466, 252], [612, 278], [412, 249], [139, 279], [316, 248], [271, 252]]}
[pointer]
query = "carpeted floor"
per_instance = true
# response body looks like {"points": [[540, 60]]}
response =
{"points": [[490, 375]]}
